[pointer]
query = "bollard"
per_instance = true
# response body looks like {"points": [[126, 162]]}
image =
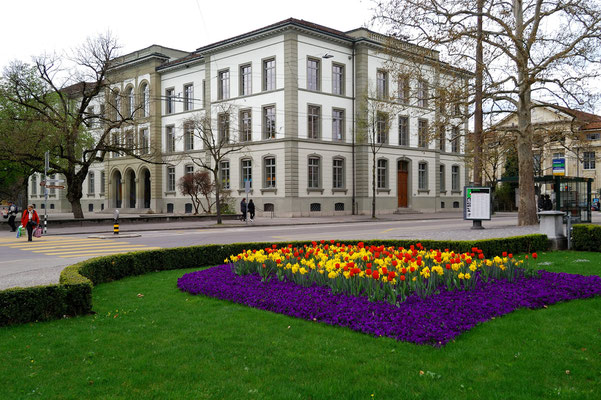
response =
{"points": [[116, 222]]}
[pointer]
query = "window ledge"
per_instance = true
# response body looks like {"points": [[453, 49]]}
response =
{"points": [[443, 192], [423, 191], [383, 191], [91, 195], [240, 191], [455, 191], [269, 190], [170, 193], [101, 194], [314, 190], [339, 190]]}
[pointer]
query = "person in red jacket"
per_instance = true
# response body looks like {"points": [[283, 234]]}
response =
{"points": [[30, 220]]}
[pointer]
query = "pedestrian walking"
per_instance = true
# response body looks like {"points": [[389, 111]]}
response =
{"points": [[30, 220], [251, 210], [243, 209], [12, 215]]}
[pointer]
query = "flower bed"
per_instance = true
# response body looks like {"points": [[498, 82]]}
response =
{"points": [[434, 320], [378, 272]]}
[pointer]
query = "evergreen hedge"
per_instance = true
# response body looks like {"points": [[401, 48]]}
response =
{"points": [[73, 295], [586, 237]]}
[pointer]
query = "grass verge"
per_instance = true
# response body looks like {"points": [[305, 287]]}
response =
{"points": [[170, 345]]}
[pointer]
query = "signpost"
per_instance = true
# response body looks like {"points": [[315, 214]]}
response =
{"points": [[477, 205], [559, 167]]}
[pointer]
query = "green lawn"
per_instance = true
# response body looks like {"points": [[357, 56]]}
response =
{"points": [[171, 345]]}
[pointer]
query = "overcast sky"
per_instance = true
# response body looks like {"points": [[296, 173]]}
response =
{"points": [[32, 27]]}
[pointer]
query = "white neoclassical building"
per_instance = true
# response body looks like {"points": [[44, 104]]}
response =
{"points": [[296, 96]]}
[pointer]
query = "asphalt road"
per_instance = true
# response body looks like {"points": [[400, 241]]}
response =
{"points": [[40, 262]]}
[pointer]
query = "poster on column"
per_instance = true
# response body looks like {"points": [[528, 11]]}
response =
{"points": [[477, 203]]}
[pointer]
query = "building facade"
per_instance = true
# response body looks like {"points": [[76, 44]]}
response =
{"points": [[295, 97]]}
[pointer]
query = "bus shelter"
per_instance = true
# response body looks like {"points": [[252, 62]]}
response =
{"points": [[569, 194]]}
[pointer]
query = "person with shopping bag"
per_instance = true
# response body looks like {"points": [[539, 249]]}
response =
{"points": [[30, 220]]}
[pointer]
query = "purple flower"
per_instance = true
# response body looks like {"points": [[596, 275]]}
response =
{"points": [[434, 320]]}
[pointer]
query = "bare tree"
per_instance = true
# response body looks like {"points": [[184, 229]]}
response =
{"points": [[219, 140], [195, 185], [546, 48], [55, 95]]}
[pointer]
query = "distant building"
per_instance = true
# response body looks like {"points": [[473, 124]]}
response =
{"points": [[293, 93]]}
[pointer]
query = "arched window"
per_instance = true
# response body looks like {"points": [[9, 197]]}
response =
{"points": [[145, 100], [131, 103]]}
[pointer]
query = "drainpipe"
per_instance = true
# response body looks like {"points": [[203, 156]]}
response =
{"points": [[354, 200]]}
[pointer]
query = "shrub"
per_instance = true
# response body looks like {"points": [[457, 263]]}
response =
{"points": [[586, 237], [42, 303]]}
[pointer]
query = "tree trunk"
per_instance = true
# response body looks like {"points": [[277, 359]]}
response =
{"points": [[74, 195], [373, 186], [217, 196], [527, 204]]}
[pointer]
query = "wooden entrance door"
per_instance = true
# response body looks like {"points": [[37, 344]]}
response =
{"points": [[402, 183]]}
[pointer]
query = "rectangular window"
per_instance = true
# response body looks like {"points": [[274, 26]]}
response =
{"points": [[170, 138], [455, 178], [592, 136], [422, 93], [588, 159], [269, 172], [269, 122], [537, 164], [117, 105], [403, 90], [337, 124], [129, 141], [442, 138], [442, 178], [422, 133], [381, 128], [559, 154], [313, 74], [382, 173], [338, 79], [245, 80], [313, 122], [34, 184], [116, 143], [188, 97], [169, 101], [224, 128], [269, 74], [313, 177], [188, 137], [245, 125], [204, 94], [91, 183], [223, 88], [422, 176], [455, 140], [403, 131], [382, 84], [102, 182], [247, 172], [171, 179], [224, 168], [457, 109], [338, 173], [189, 169], [144, 141]]}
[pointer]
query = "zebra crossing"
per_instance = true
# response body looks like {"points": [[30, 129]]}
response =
{"points": [[73, 247]]}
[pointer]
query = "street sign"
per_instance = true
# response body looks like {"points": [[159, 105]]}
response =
{"points": [[477, 203], [559, 166], [55, 186], [247, 186], [54, 180]]}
